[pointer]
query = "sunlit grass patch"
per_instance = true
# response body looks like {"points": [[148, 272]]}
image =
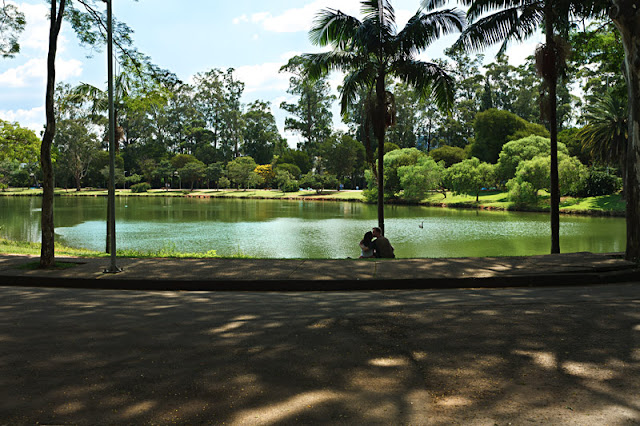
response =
{"points": [[603, 203], [26, 247]]}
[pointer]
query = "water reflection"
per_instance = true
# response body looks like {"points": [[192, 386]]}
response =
{"points": [[299, 229]]}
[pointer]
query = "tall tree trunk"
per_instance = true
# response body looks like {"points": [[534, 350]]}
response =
{"points": [[379, 129], [47, 251], [551, 75], [626, 16]]}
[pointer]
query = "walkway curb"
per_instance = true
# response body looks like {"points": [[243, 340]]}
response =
{"points": [[325, 275]]}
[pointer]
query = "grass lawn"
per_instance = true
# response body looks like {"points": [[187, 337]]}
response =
{"points": [[168, 250]]}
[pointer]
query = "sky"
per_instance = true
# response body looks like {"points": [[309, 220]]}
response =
{"points": [[254, 37]]}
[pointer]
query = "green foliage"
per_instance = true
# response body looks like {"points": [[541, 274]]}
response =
{"points": [[260, 132], [193, 172], [140, 187], [292, 169], [598, 182], [180, 160], [449, 154], [319, 182], [535, 171], [284, 181], [311, 116], [214, 172], [77, 146], [469, 177], [494, 128], [393, 160], [18, 143], [514, 152], [536, 174], [417, 180], [522, 193], [343, 156], [224, 182], [569, 138], [606, 134], [571, 172], [299, 158], [12, 23], [240, 169]]}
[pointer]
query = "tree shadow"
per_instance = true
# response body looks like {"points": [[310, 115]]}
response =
{"points": [[436, 357]]}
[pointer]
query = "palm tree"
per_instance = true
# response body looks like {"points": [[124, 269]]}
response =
{"points": [[100, 99], [516, 20], [371, 53], [607, 131]]}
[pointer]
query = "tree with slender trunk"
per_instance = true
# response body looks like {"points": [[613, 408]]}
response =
{"points": [[90, 27], [504, 21], [372, 53], [626, 16], [47, 256]]}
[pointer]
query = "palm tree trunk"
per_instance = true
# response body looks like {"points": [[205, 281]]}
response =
{"points": [[552, 80], [47, 250], [626, 16], [379, 129]]}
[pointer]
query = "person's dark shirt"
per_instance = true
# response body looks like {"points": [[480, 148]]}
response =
{"points": [[383, 248]]}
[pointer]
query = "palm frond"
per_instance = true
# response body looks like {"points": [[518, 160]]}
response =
{"points": [[332, 27], [606, 134], [429, 80], [433, 4], [502, 26], [528, 22], [320, 64], [380, 12], [425, 28], [360, 78], [479, 8]]}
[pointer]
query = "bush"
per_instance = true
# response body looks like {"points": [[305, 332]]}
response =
{"points": [[291, 186], [140, 187], [522, 192], [598, 182]]}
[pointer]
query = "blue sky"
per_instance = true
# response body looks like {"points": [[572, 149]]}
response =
{"points": [[254, 37]]}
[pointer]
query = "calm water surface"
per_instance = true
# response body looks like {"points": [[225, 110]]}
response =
{"points": [[297, 229]]}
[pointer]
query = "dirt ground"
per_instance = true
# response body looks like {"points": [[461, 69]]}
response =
{"points": [[561, 356]]}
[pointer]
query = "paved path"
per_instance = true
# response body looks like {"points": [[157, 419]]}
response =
{"points": [[332, 274], [552, 355]]}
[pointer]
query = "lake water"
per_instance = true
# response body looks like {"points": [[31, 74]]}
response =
{"points": [[298, 229]]}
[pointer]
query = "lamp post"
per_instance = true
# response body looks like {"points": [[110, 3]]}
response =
{"points": [[111, 201]]}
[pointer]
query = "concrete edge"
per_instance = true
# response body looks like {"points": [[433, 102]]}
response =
{"points": [[296, 285]]}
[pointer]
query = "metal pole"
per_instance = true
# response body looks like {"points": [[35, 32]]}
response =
{"points": [[111, 214]]}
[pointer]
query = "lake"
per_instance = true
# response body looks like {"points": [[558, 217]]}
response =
{"points": [[299, 229]]}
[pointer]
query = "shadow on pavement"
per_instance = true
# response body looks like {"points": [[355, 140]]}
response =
{"points": [[437, 357]]}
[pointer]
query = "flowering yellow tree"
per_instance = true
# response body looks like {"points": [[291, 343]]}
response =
{"points": [[266, 172]]}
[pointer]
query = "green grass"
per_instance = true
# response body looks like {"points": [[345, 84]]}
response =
{"points": [[168, 251], [602, 204], [24, 247]]}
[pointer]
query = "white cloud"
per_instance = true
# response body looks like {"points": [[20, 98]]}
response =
{"points": [[36, 34], [34, 72], [301, 19], [34, 118], [263, 77], [241, 18]]}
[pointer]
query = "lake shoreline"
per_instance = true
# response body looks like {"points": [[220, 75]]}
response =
{"points": [[458, 202]]}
